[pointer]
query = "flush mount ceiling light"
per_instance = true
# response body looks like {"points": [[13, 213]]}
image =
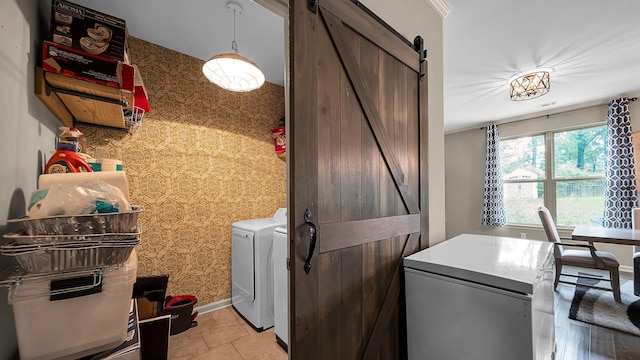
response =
{"points": [[232, 71], [529, 85]]}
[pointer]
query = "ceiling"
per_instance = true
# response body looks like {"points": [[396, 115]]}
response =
{"points": [[592, 47], [203, 28]]}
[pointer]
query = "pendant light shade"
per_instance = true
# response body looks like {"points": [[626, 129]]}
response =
{"points": [[232, 71]]}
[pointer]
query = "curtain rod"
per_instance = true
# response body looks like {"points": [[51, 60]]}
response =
{"points": [[555, 114]]}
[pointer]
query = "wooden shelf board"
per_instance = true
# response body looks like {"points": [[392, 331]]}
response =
{"points": [[51, 100], [94, 111], [72, 100], [86, 87]]}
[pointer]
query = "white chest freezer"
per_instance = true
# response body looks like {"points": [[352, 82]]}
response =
{"points": [[481, 297]]}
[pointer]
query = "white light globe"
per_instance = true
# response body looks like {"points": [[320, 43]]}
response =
{"points": [[233, 72]]}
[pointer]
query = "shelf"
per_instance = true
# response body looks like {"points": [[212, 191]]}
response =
{"points": [[51, 100], [73, 100]]}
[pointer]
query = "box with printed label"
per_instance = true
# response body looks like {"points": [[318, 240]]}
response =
{"points": [[78, 64], [88, 30]]}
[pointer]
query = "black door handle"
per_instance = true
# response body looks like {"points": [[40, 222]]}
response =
{"points": [[312, 240]]}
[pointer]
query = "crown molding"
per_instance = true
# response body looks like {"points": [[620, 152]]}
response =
{"points": [[442, 7]]}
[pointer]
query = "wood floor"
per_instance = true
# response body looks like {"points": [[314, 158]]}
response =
{"points": [[223, 335], [576, 340]]}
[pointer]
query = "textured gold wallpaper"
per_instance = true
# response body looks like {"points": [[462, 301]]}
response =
{"points": [[202, 159]]}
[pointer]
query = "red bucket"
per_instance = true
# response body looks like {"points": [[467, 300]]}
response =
{"points": [[180, 308]]}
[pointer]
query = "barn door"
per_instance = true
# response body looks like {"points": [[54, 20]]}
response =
{"points": [[357, 180]]}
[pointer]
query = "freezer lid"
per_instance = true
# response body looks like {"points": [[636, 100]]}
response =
{"points": [[507, 263]]}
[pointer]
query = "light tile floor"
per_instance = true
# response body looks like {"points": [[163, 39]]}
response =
{"points": [[224, 335]]}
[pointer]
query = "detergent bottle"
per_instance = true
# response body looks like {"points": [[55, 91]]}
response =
{"points": [[67, 157]]}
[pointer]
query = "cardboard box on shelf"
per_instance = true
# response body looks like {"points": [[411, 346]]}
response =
{"points": [[84, 66], [88, 30]]}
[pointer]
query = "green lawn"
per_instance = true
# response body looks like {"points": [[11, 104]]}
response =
{"points": [[571, 210]]}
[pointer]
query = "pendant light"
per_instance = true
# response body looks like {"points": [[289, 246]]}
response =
{"points": [[232, 71]]}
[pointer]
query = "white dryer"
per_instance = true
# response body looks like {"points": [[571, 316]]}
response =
{"points": [[252, 268], [280, 287]]}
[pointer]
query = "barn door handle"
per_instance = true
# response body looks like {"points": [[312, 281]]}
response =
{"points": [[312, 240]]}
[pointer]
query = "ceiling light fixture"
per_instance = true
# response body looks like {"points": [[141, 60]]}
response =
{"points": [[529, 85], [232, 71]]}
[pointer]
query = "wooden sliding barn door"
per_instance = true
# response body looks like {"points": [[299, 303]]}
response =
{"points": [[358, 170]]}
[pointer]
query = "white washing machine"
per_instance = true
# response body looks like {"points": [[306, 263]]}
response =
{"points": [[252, 268], [280, 287]]}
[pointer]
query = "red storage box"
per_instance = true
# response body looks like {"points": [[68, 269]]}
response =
{"points": [[84, 66]]}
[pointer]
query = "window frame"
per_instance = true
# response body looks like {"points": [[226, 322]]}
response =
{"points": [[550, 180]]}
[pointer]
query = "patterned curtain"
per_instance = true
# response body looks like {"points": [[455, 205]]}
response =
{"points": [[493, 205], [620, 176]]}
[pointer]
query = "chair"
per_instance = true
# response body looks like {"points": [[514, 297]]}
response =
{"points": [[591, 258]]}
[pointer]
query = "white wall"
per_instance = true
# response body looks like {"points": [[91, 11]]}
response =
{"points": [[27, 132], [412, 18], [464, 173]]}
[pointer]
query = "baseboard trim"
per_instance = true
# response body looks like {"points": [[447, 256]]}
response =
{"points": [[282, 344], [213, 306], [626, 268]]}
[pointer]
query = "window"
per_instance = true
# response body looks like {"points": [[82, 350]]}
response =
{"points": [[563, 171]]}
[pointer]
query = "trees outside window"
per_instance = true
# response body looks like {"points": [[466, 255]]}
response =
{"points": [[562, 170]]}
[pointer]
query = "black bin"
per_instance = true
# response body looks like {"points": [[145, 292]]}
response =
{"points": [[150, 292], [180, 308]]}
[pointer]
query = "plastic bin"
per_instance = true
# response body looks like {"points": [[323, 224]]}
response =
{"points": [[52, 324], [180, 308]]}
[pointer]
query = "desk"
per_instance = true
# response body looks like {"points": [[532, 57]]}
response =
{"points": [[613, 236], [606, 235]]}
